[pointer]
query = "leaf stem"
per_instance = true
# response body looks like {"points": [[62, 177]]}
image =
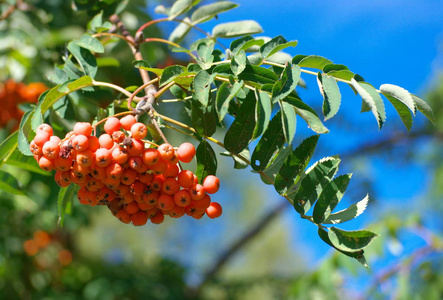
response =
{"points": [[169, 43], [113, 86], [130, 43], [138, 90]]}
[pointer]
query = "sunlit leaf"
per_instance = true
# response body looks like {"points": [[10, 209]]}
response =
{"points": [[350, 240], [207, 12], [372, 99], [331, 95], [275, 45], [234, 29], [400, 94], [349, 213]]}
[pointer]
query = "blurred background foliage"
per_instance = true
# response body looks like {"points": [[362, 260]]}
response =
{"points": [[256, 251]]}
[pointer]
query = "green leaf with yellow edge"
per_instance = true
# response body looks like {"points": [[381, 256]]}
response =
{"points": [[294, 165]]}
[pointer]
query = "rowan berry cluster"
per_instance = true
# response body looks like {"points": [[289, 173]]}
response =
{"points": [[134, 179]]}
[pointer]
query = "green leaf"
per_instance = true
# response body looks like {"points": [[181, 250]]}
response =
{"points": [[358, 255], [371, 97], [7, 146], [400, 94], [269, 145], [90, 43], [9, 184], [234, 29], [314, 181], [238, 62], [287, 83], [308, 114], [275, 45], [343, 74], [224, 96], [203, 118], [206, 160], [257, 76], [142, 64], [424, 108], [331, 95], [202, 86], [311, 61], [170, 73], [207, 12], [180, 7], [64, 202], [330, 197], [238, 162], [334, 68], [241, 130], [350, 240], [179, 33], [37, 118], [268, 175], [204, 51], [402, 110], [289, 121], [17, 159], [97, 24], [294, 165], [107, 62], [244, 43], [349, 213], [24, 131], [71, 70], [262, 113], [85, 59]]}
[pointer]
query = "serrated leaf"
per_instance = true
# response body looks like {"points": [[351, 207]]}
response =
{"points": [[289, 121], [17, 159], [307, 114], [170, 73], [85, 59], [202, 87], [24, 131], [7, 146], [224, 96], [234, 29], [269, 145], [311, 61], [358, 254], [294, 165], [205, 57], [90, 43], [207, 12], [275, 45], [349, 213], [331, 95], [350, 240], [330, 197], [203, 118], [371, 97], [400, 94], [241, 130], [244, 43], [180, 7], [206, 161], [262, 113], [10, 184], [402, 110], [64, 202], [287, 83], [179, 33], [142, 64], [424, 108], [268, 175], [238, 62], [313, 182]]}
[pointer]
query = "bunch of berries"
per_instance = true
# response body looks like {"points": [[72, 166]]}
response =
{"points": [[134, 180]]}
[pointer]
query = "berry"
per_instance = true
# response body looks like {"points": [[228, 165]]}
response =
{"points": [[166, 151], [211, 184], [214, 210], [186, 152], [112, 124], [127, 122], [139, 131], [83, 128]]}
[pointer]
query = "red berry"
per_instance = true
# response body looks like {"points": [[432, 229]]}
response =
{"points": [[186, 152], [214, 210]]}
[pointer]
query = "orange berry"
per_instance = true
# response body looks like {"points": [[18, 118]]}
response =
{"points": [[120, 155], [127, 198], [112, 183], [171, 171], [31, 248], [83, 128], [146, 178], [121, 190], [45, 127], [177, 212], [118, 136], [106, 141], [82, 196], [137, 188], [150, 156], [93, 143], [136, 163], [114, 170], [182, 198], [85, 158], [139, 218], [211, 184], [165, 202], [136, 147], [123, 216], [80, 143], [128, 177], [41, 138], [127, 122], [203, 203], [151, 198], [42, 238], [197, 191], [46, 163], [98, 172], [105, 195], [170, 186], [158, 218], [166, 151], [214, 210], [103, 157], [160, 167], [139, 131], [131, 208], [55, 139], [186, 178], [59, 180], [112, 124], [51, 150], [36, 150], [186, 152], [62, 164], [157, 183]]}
